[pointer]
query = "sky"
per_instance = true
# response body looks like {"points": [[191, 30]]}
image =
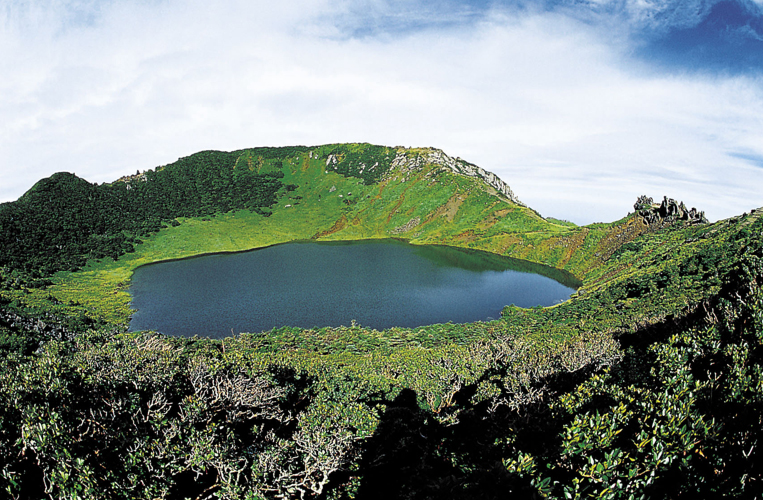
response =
{"points": [[579, 105]]}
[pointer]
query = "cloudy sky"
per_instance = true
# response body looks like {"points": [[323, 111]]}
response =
{"points": [[579, 105]]}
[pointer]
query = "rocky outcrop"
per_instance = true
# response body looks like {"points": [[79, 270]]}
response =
{"points": [[407, 226], [133, 178], [462, 167], [669, 210], [406, 162]]}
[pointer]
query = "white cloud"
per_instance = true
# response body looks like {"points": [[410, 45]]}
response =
{"points": [[549, 104]]}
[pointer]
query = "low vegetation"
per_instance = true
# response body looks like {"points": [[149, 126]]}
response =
{"points": [[646, 384]]}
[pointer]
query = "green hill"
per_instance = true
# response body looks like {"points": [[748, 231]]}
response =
{"points": [[646, 384]]}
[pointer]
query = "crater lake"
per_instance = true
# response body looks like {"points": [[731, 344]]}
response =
{"points": [[376, 283]]}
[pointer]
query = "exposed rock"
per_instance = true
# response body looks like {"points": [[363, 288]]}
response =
{"points": [[669, 210], [462, 167], [405, 163], [407, 226], [139, 176]]}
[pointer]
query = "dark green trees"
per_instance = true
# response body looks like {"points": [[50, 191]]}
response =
{"points": [[63, 220]]}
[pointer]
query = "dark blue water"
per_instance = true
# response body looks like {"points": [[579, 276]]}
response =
{"points": [[379, 284]]}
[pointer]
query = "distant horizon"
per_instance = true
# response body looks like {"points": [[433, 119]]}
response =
{"points": [[579, 106]]}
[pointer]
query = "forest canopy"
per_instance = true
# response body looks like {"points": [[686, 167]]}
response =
{"points": [[647, 383], [64, 220]]}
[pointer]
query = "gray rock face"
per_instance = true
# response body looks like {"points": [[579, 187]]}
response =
{"points": [[406, 163], [407, 226], [462, 167], [669, 210]]}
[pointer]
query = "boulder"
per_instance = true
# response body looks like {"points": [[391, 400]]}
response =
{"points": [[669, 210]]}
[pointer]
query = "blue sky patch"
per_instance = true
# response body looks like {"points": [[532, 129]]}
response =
{"points": [[752, 158], [676, 35], [729, 39]]}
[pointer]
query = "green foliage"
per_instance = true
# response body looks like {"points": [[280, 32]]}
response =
{"points": [[363, 161], [646, 384], [64, 220], [680, 415]]}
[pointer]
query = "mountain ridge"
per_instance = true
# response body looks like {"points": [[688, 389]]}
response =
{"points": [[419, 194], [647, 383]]}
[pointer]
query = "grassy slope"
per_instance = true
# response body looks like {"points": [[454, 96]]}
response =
{"points": [[349, 377], [353, 373], [429, 205]]}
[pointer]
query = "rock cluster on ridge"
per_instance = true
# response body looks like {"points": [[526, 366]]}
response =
{"points": [[669, 210]]}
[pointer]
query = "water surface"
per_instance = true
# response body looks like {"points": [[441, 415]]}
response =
{"points": [[377, 283]]}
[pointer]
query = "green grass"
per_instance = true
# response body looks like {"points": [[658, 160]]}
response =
{"points": [[425, 205], [435, 207], [535, 399]]}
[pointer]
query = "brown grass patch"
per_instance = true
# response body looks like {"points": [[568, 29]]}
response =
{"points": [[466, 236], [449, 209], [338, 226]]}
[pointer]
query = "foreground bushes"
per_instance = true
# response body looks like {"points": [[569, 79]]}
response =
{"points": [[584, 400], [676, 413], [646, 385], [679, 417], [142, 416]]}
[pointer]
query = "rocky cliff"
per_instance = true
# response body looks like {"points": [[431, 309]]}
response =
{"points": [[668, 211], [462, 167], [408, 160]]}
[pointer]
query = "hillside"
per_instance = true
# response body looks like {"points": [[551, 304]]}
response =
{"points": [[646, 384], [216, 201]]}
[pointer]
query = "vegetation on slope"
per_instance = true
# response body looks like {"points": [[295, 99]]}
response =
{"points": [[418, 198], [64, 220], [646, 384]]}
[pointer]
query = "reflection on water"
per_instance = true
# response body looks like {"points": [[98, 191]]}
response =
{"points": [[377, 283]]}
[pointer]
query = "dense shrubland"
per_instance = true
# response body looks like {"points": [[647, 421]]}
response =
{"points": [[367, 163], [647, 384], [64, 220]]}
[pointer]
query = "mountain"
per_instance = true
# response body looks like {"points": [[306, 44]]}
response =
{"points": [[348, 191], [647, 383]]}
